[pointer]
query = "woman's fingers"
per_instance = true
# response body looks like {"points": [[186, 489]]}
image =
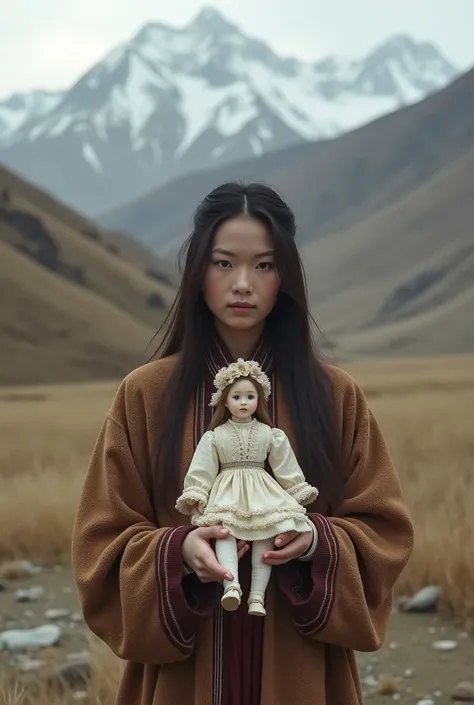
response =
{"points": [[200, 557], [285, 538], [211, 566], [297, 546], [242, 548]]}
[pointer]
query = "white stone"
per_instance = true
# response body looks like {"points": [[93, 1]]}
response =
{"points": [[17, 639]]}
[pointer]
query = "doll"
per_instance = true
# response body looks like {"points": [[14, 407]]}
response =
{"points": [[227, 482]]}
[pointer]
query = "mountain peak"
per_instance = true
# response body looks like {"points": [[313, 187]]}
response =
{"points": [[405, 47], [400, 41], [172, 99], [210, 20]]}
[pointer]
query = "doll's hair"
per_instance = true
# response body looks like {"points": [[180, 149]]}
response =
{"points": [[222, 413]]}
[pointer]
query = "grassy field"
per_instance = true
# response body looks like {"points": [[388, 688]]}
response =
{"points": [[425, 410]]}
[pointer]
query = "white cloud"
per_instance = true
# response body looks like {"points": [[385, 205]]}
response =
{"points": [[51, 43]]}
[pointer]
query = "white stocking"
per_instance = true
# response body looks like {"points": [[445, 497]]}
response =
{"points": [[226, 552], [261, 572]]}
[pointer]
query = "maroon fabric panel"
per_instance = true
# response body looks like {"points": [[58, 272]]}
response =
{"points": [[185, 603], [242, 648], [310, 587], [240, 643]]}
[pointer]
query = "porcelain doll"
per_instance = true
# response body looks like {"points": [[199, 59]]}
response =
{"points": [[227, 482]]}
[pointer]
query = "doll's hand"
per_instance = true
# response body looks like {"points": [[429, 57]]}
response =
{"points": [[290, 545], [197, 510], [195, 507]]}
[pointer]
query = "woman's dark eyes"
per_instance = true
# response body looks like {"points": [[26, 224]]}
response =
{"points": [[225, 264]]}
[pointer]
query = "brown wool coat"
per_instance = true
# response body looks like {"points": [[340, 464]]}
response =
{"points": [[129, 572]]}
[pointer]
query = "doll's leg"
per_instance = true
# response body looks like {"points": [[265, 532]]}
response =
{"points": [[261, 573], [226, 552]]}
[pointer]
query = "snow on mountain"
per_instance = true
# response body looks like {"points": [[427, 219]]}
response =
{"points": [[22, 109], [173, 100]]}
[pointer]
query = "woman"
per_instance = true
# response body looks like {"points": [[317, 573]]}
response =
{"points": [[149, 582]]}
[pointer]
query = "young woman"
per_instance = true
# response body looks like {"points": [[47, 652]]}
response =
{"points": [[149, 582]]}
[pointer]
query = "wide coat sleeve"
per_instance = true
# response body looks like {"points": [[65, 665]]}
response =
{"points": [[128, 571], [344, 595]]}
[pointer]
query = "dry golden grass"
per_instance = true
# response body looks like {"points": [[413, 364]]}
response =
{"points": [[46, 437], [423, 405], [105, 676], [425, 410]]}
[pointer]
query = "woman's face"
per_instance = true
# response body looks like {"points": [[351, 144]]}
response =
{"points": [[241, 284]]}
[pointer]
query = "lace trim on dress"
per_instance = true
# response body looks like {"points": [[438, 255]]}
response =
{"points": [[213, 511], [241, 449], [253, 443], [189, 498], [257, 525], [303, 493]]}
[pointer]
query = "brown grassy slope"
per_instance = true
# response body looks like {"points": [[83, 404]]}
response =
{"points": [[72, 307], [402, 280], [43, 202], [110, 273], [53, 330], [330, 184]]}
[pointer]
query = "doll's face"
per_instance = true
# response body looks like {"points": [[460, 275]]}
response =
{"points": [[242, 399]]}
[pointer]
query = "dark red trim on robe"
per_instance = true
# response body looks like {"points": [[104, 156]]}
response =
{"points": [[310, 586], [242, 634], [187, 601], [184, 603]]}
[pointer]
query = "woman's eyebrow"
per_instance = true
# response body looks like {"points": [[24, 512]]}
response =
{"points": [[228, 253]]}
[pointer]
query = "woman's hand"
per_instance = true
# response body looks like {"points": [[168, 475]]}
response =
{"points": [[290, 545], [200, 558]]}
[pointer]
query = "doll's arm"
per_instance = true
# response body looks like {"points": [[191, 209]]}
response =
{"points": [[286, 470], [200, 477]]}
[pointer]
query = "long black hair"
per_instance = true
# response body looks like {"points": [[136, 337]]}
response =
{"points": [[189, 327]]}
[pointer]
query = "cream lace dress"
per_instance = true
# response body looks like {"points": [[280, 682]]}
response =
{"points": [[227, 482]]}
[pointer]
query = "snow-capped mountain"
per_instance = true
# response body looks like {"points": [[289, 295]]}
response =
{"points": [[21, 110], [174, 100]]}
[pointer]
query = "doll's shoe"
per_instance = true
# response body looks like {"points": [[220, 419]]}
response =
{"points": [[230, 600], [256, 608]]}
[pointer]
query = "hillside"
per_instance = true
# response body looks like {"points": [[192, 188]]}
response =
{"points": [[76, 302], [402, 281], [331, 184]]}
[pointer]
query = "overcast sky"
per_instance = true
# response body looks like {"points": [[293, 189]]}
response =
{"points": [[51, 43]]}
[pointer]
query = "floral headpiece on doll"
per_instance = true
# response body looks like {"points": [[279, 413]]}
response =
{"points": [[242, 368]]}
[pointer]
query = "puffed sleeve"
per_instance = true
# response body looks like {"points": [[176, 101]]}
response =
{"points": [[286, 470], [200, 477]]}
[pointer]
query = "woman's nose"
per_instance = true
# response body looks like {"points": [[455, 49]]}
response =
{"points": [[242, 284]]}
